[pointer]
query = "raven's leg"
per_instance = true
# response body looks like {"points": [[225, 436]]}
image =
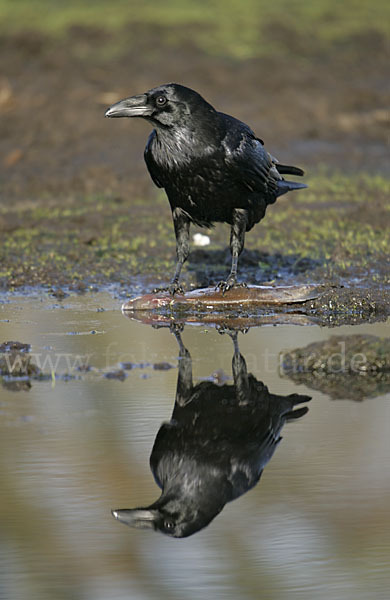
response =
{"points": [[237, 239], [181, 224], [184, 386]]}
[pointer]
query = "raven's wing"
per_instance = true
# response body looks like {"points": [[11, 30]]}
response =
{"points": [[150, 162], [247, 158]]}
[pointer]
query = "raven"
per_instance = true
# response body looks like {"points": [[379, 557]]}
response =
{"points": [[211, 165], [214, 449]]}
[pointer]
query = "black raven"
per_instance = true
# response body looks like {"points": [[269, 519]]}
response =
{"points": [[214, 449], [211, 165]]}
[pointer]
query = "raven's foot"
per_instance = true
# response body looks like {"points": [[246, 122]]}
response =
{"points": [[243, 330], [175, 327], [225, 286], [173, 288], [232, 332], [223, 328]]}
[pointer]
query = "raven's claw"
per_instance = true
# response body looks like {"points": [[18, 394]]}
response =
{"points": [[225, 286], [173, 288]]}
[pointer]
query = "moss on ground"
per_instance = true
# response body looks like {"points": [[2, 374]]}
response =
{"points": [[341, 222], [336, 231]]}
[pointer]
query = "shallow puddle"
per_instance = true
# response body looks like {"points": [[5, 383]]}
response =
{"points": [[76, 444]]}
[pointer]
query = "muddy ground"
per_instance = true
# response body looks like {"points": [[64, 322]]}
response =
{"points": [[79, 211]]}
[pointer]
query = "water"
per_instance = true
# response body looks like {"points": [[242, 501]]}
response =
{"points": [[71, 449]]}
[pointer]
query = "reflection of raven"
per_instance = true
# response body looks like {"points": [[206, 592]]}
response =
{"points": [[214, 449], [212, 167]]}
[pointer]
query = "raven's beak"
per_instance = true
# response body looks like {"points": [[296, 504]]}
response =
{"points": [[136, 106], [141, 518]]}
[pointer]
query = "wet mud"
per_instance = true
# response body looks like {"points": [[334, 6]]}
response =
{"points": [[351, 367]]}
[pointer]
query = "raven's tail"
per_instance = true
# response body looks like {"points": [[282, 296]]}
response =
{"points": [[288, 186]]}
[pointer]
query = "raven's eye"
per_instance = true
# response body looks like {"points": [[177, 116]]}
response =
{"points": [[169, 524], [161, 100]]}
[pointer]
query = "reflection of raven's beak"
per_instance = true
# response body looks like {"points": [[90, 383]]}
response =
{"points": [[136, 106], [142, 518]]}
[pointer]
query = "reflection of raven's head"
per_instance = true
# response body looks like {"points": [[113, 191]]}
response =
{"points": [[179, 516], [214, 449]]}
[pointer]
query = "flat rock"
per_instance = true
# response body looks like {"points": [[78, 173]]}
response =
{"points": [[236, 298]]}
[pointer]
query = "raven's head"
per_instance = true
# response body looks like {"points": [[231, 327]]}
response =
{"points": [[166, 106]]}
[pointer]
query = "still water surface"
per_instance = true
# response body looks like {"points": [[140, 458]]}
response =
{"points": [[316, 526]]}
